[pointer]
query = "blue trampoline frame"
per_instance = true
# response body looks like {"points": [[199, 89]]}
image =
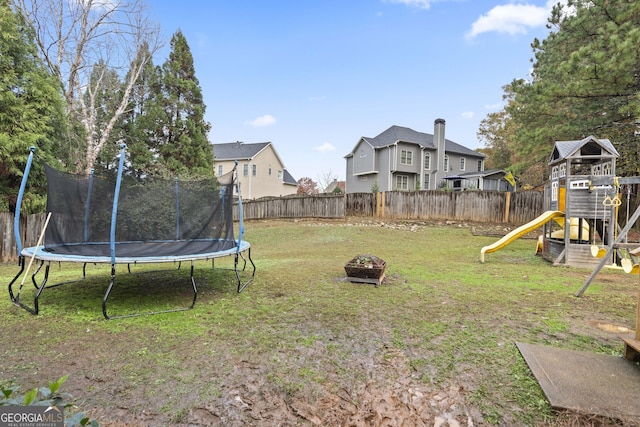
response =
{"points": [[239, 249]]}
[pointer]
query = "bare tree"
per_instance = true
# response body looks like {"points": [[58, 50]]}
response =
{"points": [[326, 179], [73, 36]]}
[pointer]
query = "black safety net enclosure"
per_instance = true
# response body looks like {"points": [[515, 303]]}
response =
{"points": [[116, 218], [147, 217]]}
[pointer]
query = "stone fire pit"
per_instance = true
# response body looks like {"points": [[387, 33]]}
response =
{"points": [[366, 269]]}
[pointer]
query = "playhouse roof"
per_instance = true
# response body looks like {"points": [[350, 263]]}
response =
{"points": [[588, 147]]}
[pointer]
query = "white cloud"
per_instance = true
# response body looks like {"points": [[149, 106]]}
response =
{"points": [[262, 121], [421, 4], [468, 115], [511, 19], [325, 147]]}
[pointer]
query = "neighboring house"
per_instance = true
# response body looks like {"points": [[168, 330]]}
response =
{"points": [[261, 172], [493, 179], [403, 159], [333, 185]]}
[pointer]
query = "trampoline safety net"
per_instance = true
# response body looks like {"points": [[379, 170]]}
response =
{"points": [[90, 215]]}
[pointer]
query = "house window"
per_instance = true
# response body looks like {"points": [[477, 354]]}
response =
{"points": [[219, 170], [462, 163], [425, 182], [245, 169], [479, 165], [446, 164], [554, 172], [254, 170], [606, 168], [562, 171], [402, 182], [554, 191], [595, 170], [427, 161], [269, 170], [279, 174], [406, 157]]}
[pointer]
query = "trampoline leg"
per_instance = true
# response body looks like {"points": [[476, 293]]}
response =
{"points": [[16, 298], [21, 265], [35, 273], [112, 282], [41, 288], [106, 295], [195, 289], [241, 285]]}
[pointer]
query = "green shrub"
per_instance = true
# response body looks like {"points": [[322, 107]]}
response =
{"points": [[44, 396]]}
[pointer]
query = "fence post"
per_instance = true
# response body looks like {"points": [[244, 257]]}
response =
{"points": [[507, 205]]}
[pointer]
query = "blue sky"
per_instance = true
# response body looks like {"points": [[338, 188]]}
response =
{"points": [[313, 76]]}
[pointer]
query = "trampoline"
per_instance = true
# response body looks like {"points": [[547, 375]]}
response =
{"points": [[117, 219]]}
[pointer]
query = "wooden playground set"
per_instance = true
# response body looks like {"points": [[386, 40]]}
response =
{"points": [[581, 226]]}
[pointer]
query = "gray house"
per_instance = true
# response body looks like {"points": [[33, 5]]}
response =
{"points": [[404, 159]]}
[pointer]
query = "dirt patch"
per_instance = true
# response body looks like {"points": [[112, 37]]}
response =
{"points": [[379, 401]]}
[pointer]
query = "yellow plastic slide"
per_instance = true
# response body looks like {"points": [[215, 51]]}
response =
{"points": [[520, 231]]}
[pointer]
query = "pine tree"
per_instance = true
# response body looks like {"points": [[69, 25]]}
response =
{"points": [[31, 110], [183, 147], [585, 82]]}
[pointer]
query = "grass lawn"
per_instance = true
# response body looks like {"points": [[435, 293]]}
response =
{"points": [[301, 346]]}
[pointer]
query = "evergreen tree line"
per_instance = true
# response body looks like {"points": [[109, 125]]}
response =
{"points": [[79, 122], [585, 81]]}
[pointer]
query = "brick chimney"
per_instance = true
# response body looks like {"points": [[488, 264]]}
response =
{"points": [[439, 144]]}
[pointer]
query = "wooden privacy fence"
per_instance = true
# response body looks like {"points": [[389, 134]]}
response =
{"points": [[321, 206], [30, 229], [478, 206]]}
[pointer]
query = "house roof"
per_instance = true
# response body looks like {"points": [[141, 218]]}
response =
{"points": [[288, 179], [238, 150], [403, 134], [565, 149]]}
